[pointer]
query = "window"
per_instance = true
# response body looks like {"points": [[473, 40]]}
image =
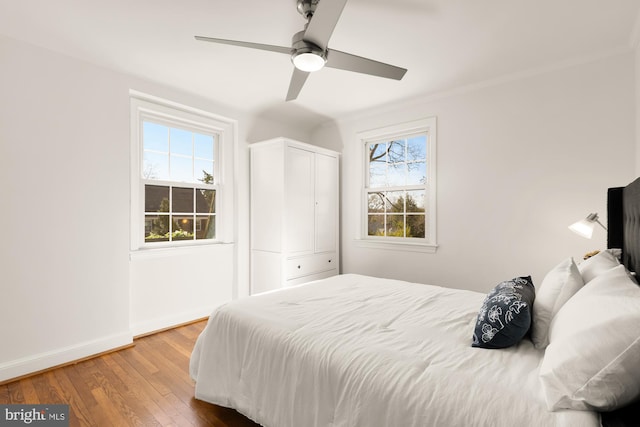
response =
{"points": [[399, 184], [178, 158], [179, 177]]}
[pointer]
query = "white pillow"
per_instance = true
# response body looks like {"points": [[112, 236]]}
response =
{"points": [[560, 284], [592, 267], [593, 359]]}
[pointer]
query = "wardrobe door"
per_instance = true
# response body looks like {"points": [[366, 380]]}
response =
{"points": [[300, 204], [326, 203]]}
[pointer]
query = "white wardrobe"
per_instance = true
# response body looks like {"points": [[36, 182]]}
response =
{"points": [[294, 214]]}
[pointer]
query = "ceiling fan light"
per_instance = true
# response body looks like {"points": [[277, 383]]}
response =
{"points": [[308, 61]]}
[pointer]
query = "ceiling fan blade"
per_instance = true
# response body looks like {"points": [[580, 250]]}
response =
{"points": [[297, 81], [323, 22], [272, 48], [349, 62]]}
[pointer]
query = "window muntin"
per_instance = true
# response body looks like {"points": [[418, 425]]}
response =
{"points": [[180, 182]]}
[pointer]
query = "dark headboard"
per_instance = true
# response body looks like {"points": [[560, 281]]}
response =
{"points": [[623, 220]]}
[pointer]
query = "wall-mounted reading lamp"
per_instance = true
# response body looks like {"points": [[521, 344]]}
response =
{"points": [[585, 227]]}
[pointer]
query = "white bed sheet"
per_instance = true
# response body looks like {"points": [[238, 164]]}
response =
{"points": [[354, 350]]}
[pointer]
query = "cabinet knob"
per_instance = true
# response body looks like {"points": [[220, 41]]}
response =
{"points": [[298, 267], [329, 260]]}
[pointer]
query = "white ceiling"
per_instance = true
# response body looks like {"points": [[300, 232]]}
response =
{"points": [[445, 44]]}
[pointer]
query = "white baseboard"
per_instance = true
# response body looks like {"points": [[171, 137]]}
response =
{"points": [[27, 365], [159, 323]]}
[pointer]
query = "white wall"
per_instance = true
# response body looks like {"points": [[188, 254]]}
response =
{"points": [[518, 161], [67, 288]]}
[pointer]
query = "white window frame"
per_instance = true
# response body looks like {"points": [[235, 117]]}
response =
{"points": [[173, 114], [428, 244]]}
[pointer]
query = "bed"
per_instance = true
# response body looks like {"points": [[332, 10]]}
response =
{"points": [[354, 350]]}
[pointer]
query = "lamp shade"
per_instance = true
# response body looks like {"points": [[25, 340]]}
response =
{"points": [[585, 227], [308, 61]]}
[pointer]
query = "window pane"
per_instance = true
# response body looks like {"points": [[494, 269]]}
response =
{"points": [[203, 146], [204, 171], [375, 225], [181, 169], [155, 137], [156, 228], [395, 225], [415, 226], [182, 200], [182, 228], [156, 198], [417, 148], [397, 151], [156, 165], [378, 153], [395, 201], [205, 227], [417, 173], [377, 175], [376, 202], [181, 142], [205, 201], [397, 174], [415, 201]]}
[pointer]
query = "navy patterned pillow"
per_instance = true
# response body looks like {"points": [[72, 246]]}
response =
{"points": [[505, 316]]}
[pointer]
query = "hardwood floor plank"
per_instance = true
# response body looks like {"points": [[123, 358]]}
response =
{"points": [[184, 410], [143, 361], [78, 411], [73, 373], [133, 358], [135, 393], [180, 343], [28, 391], [16, 395], [169, 371], [111, 413], [4, 394], [144, 385], [191, 332], [122, 398], [154, 399]]}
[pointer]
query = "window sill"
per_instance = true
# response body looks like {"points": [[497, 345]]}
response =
{"points": [[168, 251], [397, 246]]}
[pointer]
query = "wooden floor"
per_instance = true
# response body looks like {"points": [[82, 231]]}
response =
{"points": [[145, 385]]}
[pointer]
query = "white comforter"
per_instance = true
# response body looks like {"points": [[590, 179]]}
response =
{"points": [[359, 351]]}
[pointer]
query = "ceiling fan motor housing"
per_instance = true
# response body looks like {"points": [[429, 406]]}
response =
{"points": [[305, 55], [307, 8]]}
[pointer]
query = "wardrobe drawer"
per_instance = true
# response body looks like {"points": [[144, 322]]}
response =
{"points": [[303, 266], [310, 278]]}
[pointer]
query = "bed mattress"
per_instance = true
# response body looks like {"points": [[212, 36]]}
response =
{"points": [[354, 350]]}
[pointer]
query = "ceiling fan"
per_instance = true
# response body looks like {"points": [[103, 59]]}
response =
{"points": [[309, 51]]}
